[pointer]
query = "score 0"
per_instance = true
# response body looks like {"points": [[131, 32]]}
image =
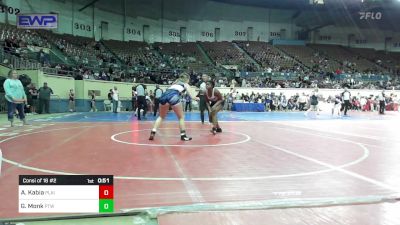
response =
{"points": [[106, 198]]}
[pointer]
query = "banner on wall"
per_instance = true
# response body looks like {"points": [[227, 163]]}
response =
{"points": [[37, 21]]}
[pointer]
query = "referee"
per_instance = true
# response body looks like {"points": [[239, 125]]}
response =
{"points": [[346, 95], [382, 103], [141, 100], [157, 94], [202, 96]]}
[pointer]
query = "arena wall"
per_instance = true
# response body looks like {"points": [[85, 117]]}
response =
{"points": [[198, 19], [233, 20]]}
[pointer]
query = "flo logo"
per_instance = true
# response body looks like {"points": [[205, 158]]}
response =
{"points": [[37, 21], [370, 15]]}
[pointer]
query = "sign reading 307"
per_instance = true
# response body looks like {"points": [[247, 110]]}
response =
{"points": [[37, 21]]}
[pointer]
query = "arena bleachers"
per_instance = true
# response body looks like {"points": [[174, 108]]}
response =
{"points": [[133, 60], [82, 50], [225, 53], [184, 56], [346, 58], [136, 54], [311, 58], [387, 60], [21, 48], [267, 55]]}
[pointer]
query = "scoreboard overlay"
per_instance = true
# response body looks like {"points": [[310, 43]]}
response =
{"points": [[66, 194]]}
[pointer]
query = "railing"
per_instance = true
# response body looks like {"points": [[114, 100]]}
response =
{"points": [[274, 76], [168, 70], [58, 72], [295, 76], [16, 62], [364, 77]]}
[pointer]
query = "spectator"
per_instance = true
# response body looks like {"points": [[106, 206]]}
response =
{"points": [[229, 100], [44, 98], [93, 102], [109, 96], [71, 101], [302, 102], [283, 103], [29, 98], [313, 104], [115, 99], [188, 103], [34, 98], [15, 96]]}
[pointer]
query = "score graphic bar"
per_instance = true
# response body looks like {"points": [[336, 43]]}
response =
{"points": [[66, 194]]}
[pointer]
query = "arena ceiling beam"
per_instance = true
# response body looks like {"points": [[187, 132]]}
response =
{"points": [[91, 3], [296, 14]]}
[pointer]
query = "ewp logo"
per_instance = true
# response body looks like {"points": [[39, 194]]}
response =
{"points": [[37, 21]]}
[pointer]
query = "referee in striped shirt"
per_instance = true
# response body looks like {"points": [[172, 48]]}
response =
{"points": [[141, 100], [202, 96]]}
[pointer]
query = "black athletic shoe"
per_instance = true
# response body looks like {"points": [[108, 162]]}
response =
{"points": [[152, 134], [219, 130], [213, 130], [185, 138]]}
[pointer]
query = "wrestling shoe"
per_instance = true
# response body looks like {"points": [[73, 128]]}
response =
{"points": [[152, 134], [185, 138]]}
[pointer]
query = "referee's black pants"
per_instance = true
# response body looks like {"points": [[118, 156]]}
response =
{"points": [[156, 105], [347, 105], [381, 107], [141, 104], [202, 107]]}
